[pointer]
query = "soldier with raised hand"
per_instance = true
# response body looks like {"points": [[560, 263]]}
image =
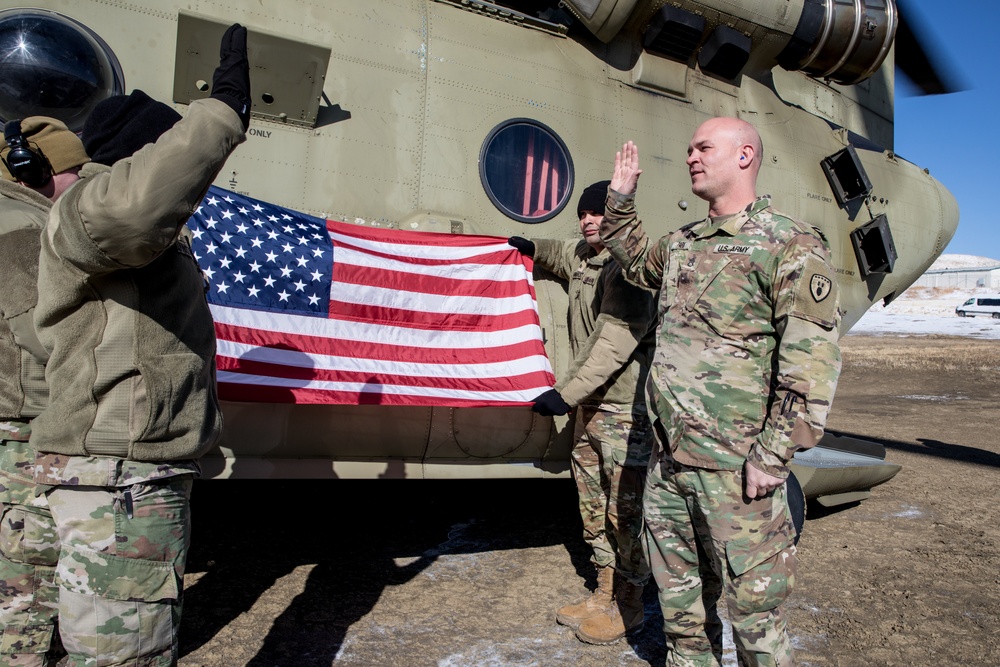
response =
{"points": [[39, 159], [123, 316], [746, 365], [612, 338]]}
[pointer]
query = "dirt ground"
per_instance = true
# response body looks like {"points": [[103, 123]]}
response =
{"points": [[453, 574]]}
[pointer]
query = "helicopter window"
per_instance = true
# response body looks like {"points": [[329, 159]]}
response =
{"points": [[53, 66], [526, 170]]}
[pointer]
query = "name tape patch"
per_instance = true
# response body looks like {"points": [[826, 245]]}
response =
{"points": [[730, 249]]}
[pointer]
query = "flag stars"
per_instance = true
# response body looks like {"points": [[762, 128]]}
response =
{"points": [[258, 255]]}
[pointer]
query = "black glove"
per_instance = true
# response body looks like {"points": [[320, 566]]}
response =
{"points": [[231, 81], [524, 246], [550, 403]]}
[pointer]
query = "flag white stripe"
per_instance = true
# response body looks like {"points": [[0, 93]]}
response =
{"points": [[479, 272], [431, 303], [435, 252], [297, 325]]}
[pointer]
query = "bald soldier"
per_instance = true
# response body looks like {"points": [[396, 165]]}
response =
{"points": [[744, 372]]}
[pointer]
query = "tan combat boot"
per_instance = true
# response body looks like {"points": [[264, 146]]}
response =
{"points": [[572, 615], [624, 615]]}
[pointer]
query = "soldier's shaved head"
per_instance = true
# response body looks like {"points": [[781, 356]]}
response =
{"points": [[724, 157]]}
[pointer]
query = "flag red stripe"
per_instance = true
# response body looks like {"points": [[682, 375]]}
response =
{"points": [[405, 237], [352, 274], [262, 394], [354, 312]]}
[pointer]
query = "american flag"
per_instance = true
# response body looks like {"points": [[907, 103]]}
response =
{"points": [[316, 311]]}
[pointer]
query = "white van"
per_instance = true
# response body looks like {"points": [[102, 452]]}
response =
{"points": [[986, 304]]}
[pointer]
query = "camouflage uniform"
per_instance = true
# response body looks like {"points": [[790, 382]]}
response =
{"points": [[612, 337], [745, 369], [123, 315], [28, 546]]}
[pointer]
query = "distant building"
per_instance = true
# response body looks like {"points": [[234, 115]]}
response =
{"points": [[979, 277]]}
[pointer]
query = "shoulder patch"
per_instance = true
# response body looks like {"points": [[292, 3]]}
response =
{"points": [[816, 298], [820, 286]]}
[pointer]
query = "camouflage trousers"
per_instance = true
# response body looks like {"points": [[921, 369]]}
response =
{"points": [[705, 540], [121, 570], [610, 459], [28, 552]]}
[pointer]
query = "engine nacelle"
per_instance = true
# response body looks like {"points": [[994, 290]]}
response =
{"points": [[844, 41]]}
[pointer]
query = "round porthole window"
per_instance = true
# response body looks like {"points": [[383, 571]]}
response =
{"points": [[526, 170]]}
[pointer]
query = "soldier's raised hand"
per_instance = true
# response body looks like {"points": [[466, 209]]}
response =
{"points": [[231, 80], [627, 172]]}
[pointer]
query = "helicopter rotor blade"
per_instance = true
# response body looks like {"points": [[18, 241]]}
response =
{"points": [[929, 73]]}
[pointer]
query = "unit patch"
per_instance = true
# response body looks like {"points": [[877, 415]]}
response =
{"points": [[734, 249], [820, 287]]}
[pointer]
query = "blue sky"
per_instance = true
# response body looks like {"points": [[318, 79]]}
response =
{"points": [[957, 136]]}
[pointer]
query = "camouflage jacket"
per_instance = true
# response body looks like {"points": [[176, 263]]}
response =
{"points": [[611, 327], [747, 356], [23, 212], [122, 309]]}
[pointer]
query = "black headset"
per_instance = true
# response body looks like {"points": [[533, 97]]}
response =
{"points": [[25, 162]]}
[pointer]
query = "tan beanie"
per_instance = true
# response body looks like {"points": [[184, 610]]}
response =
{"points": [[61, 146]]}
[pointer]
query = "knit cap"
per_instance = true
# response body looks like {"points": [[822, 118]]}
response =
{"points": [[593, 198], [122, 124]]}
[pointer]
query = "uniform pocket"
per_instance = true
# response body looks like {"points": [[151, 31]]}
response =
{"points": [[762, 571], [28, 537], [117, 578], [724, 297]]}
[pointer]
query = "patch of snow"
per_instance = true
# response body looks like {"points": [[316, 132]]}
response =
{"points": [[922, 311], [962, 262]]}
